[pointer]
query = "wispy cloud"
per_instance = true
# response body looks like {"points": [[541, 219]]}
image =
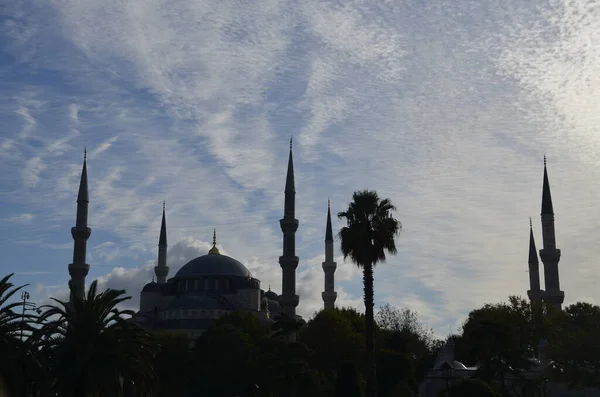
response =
{"points": [[34, 273], [22, 218], [445, 108], [32, 171]]}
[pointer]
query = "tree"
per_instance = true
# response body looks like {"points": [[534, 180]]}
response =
{"points": [[173, 364], [393, 367], [347, 383], [501, 337], [285, 369], [224, 353], [95, 349], [245, 322], [331, 335], [286, 327], [573, 349], [369, 233], [405, 321], [401, 331], [19, 366]]}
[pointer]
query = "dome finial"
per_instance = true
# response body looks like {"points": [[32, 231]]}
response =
{"points": [[530, 224], [214, 249], [544, 159], [84, 153]]}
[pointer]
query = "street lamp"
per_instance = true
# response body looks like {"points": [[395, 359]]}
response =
{"points": [[27, 306]]}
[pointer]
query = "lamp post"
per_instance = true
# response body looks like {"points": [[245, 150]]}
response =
{"points": [[26, 306]]}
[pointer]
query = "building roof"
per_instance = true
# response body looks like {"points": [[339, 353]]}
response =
{"points": [[213, 265]]}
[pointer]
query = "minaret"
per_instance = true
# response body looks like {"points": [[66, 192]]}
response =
{"points": [[550, 255], [289, 261], [535, 294], [161, 269], [329, 266], [81, 233]]}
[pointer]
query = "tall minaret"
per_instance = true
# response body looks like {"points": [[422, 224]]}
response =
{"points": [[550, 255], [161, 269], [81, 232], [289, 261], [329, 266], [535, 294]]}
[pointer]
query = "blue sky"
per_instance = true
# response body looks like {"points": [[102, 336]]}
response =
{"points": [[447, 108]]}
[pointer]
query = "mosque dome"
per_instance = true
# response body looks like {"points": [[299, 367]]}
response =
{"points": [[213, 264]]}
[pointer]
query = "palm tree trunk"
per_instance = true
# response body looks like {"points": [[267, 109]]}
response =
{"points": [[371, 372]]}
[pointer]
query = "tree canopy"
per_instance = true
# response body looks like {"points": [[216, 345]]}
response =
{"points": [[92, 348]]}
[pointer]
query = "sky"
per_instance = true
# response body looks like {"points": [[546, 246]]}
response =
{"points": [[446, 108]]}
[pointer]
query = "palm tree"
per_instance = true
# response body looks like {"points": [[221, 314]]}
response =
{"points": [[95, 349], [370, 233], [18, 367]]}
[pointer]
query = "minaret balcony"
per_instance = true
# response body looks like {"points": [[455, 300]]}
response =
{"points": [[329, 296], [78, 270], [289, 262], [161, 270], [289, 300], [81, 233], [329, 266], [288, 225], [550, 255], [554, 297], [535, 296]]}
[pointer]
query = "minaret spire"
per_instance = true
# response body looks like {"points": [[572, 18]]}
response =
{"points": [[290, 187], [329, 295], [161, 269], [78, 270], [534, 293], [288, 260], [547, 207], [550, 255]]}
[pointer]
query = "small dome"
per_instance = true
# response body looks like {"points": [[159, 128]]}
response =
{"points": [[459, 365], [271, 295], [274, 307], [454, 365], [151, 287], [213, 265]]}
